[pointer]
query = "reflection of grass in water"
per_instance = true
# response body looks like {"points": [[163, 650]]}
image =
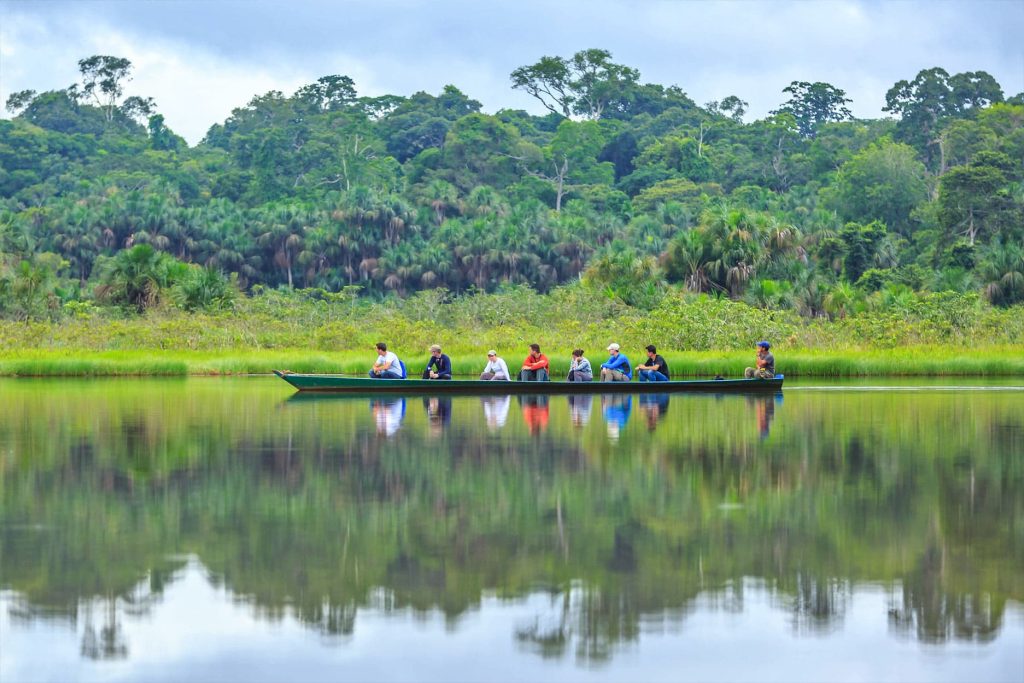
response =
{"points": [[913, 361]]}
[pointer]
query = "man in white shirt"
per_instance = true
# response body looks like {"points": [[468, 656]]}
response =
{"points": [[496, 369], [387, 365]]}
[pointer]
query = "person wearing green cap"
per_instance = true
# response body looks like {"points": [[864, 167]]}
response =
{"points": [[765, 363]]}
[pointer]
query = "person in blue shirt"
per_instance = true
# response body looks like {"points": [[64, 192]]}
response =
{"points": [[439, 366], [617, 367]]}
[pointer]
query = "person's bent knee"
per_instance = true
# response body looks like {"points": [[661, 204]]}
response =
{"points": [[749, 373]]}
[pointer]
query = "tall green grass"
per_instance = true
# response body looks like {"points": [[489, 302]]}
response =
{"points": [[908, 362]]}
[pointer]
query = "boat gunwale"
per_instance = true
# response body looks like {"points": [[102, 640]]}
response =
{"points": [[364, 385]]}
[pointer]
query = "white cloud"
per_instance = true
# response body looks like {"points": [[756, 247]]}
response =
{"points": [[192, 86]]}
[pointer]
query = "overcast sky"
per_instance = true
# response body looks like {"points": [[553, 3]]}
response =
{"points": [[201, 58]]}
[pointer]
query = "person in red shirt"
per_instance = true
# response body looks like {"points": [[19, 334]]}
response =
{"points": [[535, 367]]}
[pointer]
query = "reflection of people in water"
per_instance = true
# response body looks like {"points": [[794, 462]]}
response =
{"points": [[616, 409], [535, 412], [439, 412], [764, 410], [496, 410], [655, 406], [388, 414], [580, 406]]}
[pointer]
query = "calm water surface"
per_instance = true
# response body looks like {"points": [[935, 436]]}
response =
{"points": [[210, 529]]}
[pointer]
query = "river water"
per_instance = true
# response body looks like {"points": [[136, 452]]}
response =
{"points": [[227, 529]]}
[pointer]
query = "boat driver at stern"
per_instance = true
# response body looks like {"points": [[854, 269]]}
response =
{"points": [[765, 363]]}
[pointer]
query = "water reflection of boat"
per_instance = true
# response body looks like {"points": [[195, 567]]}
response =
{"points": [[388, 413], [496, 410], [616, 409], [535, 412], [356, 385], [655, 406], [579, 409]]}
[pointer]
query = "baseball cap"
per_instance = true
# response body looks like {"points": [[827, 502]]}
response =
{"points": [[764, 344], [613, 347]]}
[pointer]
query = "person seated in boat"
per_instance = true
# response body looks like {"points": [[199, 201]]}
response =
{"points": [[439, 366], [496, 368], [616, 368], [765, 363], [535, 367], [387, 365], [655, 369], [579, 368]]}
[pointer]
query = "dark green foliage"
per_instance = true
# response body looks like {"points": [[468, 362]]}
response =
{"points": [[138, 276], [203, 288], [861, 242], [326, 189]]}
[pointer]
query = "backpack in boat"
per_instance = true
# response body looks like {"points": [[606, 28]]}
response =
{"points": [[401, 365]]}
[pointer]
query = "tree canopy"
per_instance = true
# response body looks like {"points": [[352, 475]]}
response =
{"points": [[325, 188]]}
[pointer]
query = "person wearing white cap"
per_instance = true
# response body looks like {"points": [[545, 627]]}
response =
{"points": [[496, 368], [617, 367]]}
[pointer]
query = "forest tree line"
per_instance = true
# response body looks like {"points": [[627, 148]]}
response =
{"points": [[630, 186]]}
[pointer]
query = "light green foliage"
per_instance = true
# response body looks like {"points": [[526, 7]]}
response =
{"points": [[884, 182]]}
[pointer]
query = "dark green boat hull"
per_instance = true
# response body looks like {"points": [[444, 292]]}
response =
{"points": [[340, 384]]}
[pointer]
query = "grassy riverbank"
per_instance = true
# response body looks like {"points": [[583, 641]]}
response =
{"points": [[921, 361], [308, 331]]}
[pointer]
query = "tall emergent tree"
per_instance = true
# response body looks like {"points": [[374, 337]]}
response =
{"points": [[584, 84], [813, 104], [933, 97]]}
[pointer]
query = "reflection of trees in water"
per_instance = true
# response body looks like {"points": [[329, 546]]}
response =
{"points": [[819, 603], [928, 610], [585, 619], [319, 517], [108, 642]]}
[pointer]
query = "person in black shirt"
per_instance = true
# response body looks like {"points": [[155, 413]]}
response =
{"points": [[439, 366], [765, 363], [655, 369]]}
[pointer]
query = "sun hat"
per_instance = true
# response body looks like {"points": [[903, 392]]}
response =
{"points": [[435, 347], [613, 347]]}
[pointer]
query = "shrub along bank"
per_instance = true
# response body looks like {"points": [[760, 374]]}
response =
{"points": [[314, 331]]}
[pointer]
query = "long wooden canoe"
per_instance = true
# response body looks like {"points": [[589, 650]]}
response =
{"points": [[342, 384]]}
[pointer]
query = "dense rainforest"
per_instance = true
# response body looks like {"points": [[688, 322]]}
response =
{"points": [[629, 188]]}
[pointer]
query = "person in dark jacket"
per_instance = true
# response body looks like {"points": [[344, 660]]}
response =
{"points": [[439, 366], [655, 369]]}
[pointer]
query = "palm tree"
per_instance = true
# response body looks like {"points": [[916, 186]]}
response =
{"points": [[1002, 271], [137, 276], [840, 299]]}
